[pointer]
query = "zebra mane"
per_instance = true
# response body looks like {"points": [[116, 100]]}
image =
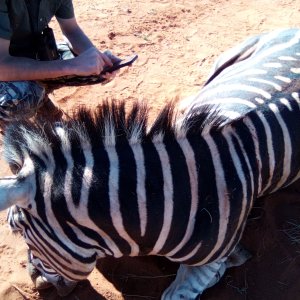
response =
{"points": [[110, 122]]}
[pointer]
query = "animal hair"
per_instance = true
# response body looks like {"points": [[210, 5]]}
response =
{"points": [[109, 122]]}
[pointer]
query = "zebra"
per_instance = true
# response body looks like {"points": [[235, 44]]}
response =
{"points": [[105, 183]]}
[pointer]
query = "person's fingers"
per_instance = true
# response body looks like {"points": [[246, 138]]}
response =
{"points": [[100, 64], [109, 76], [106, 60]]}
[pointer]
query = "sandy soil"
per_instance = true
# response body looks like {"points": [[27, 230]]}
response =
{"points": [[177, 42]]}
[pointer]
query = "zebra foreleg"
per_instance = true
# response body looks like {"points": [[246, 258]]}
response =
{"points": [[192, 281], [41, 281]]}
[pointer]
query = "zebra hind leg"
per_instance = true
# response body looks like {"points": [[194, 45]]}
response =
{"points": [[192, 281]]}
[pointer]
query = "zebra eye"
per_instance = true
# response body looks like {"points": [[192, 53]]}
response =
{"points": [[15, 168]]}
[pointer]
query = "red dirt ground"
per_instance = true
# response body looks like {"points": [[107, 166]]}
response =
{"points": [[177, 42]]}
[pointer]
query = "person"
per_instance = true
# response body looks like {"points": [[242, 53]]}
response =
{"points": [[22, 92], [23, 72]]}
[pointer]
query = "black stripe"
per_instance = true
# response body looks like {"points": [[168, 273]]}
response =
{"points": [[78, 170], [207, 217], [60, 209], [236, 195], [99, 204], [181, 195], [127, 189], [234, 189], [246, 138], [278, 147], [262, 143], [154, 185], [292, 121]]}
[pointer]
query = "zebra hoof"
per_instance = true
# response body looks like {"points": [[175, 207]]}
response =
{"points": [[41, 283], [38, 280], [238, 257], [64, 287]]}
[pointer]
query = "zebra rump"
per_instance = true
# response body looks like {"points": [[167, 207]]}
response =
{"points": [[106, 184]]}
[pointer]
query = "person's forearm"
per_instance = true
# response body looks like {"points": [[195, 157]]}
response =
{"points": [[78, 40], [16, 68]]}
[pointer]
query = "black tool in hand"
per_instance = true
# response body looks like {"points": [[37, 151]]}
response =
{"points": [[89, 80], [120, 64]]}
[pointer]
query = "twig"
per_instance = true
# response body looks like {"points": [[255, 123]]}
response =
{"points": [[23, 294], [139, 296]]}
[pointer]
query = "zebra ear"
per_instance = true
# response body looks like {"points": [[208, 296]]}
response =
{"points": [[14, 190]]}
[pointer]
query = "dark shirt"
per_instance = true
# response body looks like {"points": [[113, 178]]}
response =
{"points": [[15, 21]]}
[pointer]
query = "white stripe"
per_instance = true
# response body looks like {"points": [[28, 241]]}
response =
{"points": [[223, 197], [295, 70], [275, 85], [289, 58], [115, 211], [248, 122], [192, 169], [80, 213], [168, 196], [208, 94], [100, 253], [188, 256], [231, 114], [141, 191], [60, 265], [295, 95], [243, 180], [48, 183], [287, 147], [272, 65], [259, 100], [229, 100], [283, 78], [270, 151], [279, 47], [254, 72], [286, 102]]}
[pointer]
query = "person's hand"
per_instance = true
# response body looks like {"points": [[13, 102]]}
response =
{"points": [[109, 76], [90, 62]]}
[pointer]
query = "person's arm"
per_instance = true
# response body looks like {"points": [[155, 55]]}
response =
{"points": [[89, 61], [17, 68], [77, 39]]}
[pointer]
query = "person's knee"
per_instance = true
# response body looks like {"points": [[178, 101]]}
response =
{"points": [[20, 99]]}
